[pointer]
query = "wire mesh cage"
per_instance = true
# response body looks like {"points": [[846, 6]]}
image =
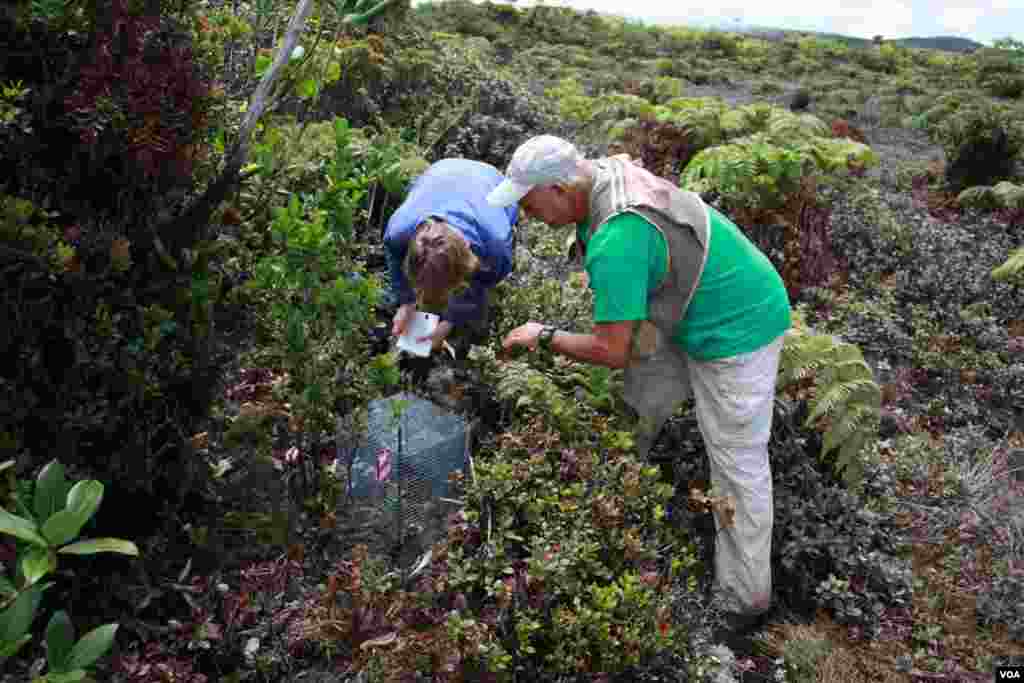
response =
{"points": [[402, 465]]}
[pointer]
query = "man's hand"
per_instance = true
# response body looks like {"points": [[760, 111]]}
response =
{"points": [[402, 318], [441, 333], [524, 335]]}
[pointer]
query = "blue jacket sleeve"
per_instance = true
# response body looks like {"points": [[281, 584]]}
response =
{"points": [[466, 307], [394, 250]]}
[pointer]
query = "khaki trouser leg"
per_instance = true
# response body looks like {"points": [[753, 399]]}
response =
{"points": [[734, 398]]}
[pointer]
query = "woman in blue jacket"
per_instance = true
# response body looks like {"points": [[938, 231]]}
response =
{"points": [[446, 246]]}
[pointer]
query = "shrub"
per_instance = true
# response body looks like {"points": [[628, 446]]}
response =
{"points": [[664, 148], [1012, 270], [138, 115], [1005, 85], [801, 100], [552, 565], [769, 88], [992, 62], [980, 147], [722, 44], [845, 401], [50, 516], [701, 116], [499, 118], [828, 550], [1001, 605]]}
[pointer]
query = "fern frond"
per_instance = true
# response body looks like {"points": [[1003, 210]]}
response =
{"points": [[803, 356], [1012, 270], [858, 416], [845, 391], [848, 464], [835, 395]]}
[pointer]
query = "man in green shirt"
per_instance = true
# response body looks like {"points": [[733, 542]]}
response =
{"points": [[686, 304]]}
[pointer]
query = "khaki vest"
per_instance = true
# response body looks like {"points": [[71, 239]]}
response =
{"points": [[656, 376], [680, 216]]}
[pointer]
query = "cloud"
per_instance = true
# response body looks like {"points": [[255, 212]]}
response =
{"points": [[897, 21], [960, 19]]}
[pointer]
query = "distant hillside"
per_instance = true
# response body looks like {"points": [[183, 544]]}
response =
{"points": [[947, 43]]}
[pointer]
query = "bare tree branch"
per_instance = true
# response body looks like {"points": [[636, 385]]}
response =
{"points": [[190, 225]]}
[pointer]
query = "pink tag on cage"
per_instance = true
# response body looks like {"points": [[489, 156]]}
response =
{"points": [[383, 464]]}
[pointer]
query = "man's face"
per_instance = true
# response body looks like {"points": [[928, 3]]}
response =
{"points": [[551, 204]]}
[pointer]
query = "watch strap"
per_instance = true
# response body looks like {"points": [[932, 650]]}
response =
{"points": [[547, 333]]}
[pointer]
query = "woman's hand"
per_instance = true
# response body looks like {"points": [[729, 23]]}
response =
{"points": [[402, 318], [441, 333]]}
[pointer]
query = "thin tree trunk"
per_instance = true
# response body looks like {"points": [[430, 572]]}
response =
{"points": [[191, 225]]}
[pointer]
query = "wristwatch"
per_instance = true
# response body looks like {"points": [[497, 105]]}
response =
{"points": [[544, 338]]}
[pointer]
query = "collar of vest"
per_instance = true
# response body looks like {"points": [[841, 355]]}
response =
{"points": [[621, 186]]}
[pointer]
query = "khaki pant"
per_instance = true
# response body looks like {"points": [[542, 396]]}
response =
{"points": [[735, 399]]}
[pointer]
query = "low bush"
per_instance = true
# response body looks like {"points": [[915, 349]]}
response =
{"points": [[492, 123], [665, 149], [1001, 605], [980, 145]]}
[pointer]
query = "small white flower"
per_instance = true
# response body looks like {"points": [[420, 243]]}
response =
{"points": [[298, 52]]}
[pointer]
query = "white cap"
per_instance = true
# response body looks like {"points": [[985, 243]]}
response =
{"points": [[541, 160]]}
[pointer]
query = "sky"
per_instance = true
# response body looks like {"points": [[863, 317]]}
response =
{"points": [[979, 20]]}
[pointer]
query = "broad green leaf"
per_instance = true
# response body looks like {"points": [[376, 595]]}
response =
{"points": [[6, 587], [50, 490], [364, 18], [9, 649], [19, 527], [308, 88], [92, 646], [84, 498], [37, 563], [66, 677], [63, 527], [100, 545], [262, 62], [60, 638], [333, 72], [16, 620]]}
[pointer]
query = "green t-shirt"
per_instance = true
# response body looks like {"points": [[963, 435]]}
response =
{"points": [[740, 304]]}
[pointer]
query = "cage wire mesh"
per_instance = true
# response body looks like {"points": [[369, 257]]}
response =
{"points": [[402, 465]]}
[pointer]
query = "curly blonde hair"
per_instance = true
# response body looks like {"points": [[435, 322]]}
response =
{"points": [[439, 260]]}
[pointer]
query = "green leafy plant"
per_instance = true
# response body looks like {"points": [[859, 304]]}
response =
{"points": [[981, 145], [1012, 270], [749, 172], [67, 659], [1004, 195], [320, 305], [45, 529], [844, 401], [10, 93], [534, 393], [700, 116]]}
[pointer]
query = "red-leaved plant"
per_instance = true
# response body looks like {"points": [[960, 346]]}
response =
{"points": [[138, 81]]}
